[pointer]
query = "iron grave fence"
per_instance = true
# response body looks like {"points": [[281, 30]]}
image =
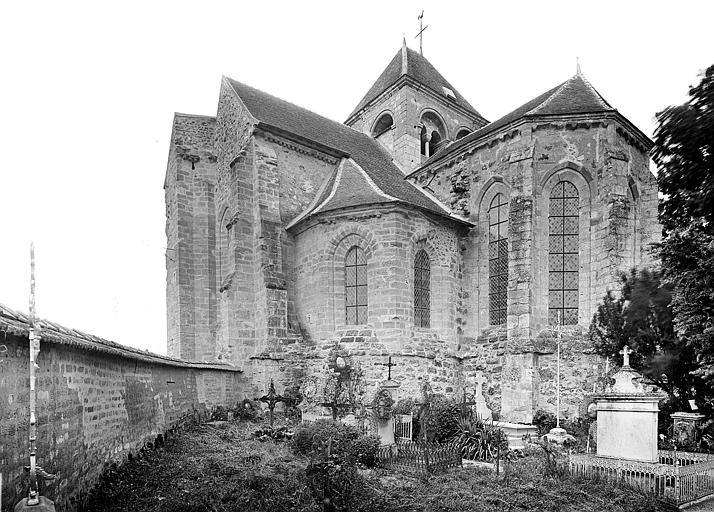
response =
{"points": [[678, 477]]}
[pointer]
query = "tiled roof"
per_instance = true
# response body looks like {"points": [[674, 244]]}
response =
{"points": [[367, 153], [413, 64], [18, 324], [574, 96]]}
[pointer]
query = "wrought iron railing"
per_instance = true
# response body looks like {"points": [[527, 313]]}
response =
{"points": [[403, 427], [678, 477], [419, 458]]}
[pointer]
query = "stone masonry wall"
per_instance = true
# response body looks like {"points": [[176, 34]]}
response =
{"points": [[94, 408], [390, 238], [190, 229], [617, 226], [406, 105]]}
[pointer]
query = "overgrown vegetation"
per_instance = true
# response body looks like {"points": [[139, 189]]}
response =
{"points": [[479, 440], [223, 468]]}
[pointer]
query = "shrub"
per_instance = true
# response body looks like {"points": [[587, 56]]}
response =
{"points": [[405, 406], [544, 420], [480, 440], [309, 438], [247, 410], [220, 413], [442, 423], [364, 450]]}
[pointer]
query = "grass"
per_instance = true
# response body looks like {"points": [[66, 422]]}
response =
{"points": [[222, 469]]}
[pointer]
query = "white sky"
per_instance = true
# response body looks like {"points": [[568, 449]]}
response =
{"points": [[88, 90]]}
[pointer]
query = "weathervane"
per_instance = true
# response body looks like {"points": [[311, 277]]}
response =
{"points": [[422, 28]]}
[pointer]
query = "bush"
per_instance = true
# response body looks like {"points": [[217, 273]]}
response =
{"points": [[364, 450], [544, 421], [405, 406], [442, 424], [480, 440], [247, 410], [309, 438]]}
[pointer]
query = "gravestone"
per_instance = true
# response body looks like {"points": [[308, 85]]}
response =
{"points": [[388, 392], [482, 408], [685, 426], [627, 417]]}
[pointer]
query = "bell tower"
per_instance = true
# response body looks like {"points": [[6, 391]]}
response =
{"points": [[413, 111]]}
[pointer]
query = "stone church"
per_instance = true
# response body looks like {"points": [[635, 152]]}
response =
{"points": [[416, 229]]}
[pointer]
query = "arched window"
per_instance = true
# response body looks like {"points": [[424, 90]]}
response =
{"points": [[356, 287], [563, 259], [383, 124], [422, 285], [498, 259], [433, 133], [463, 132]]}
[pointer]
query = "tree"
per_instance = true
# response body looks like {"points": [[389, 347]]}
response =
{"points": [[641, 317], [684, 153]]}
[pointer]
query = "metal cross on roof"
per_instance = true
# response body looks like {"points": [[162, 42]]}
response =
{"points": [[389, 366], [420, 35], [271, 398]]}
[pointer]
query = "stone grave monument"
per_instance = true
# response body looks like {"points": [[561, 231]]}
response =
{"points": [[627, 417]]}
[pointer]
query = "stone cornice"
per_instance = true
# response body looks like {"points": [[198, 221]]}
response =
{"points": [[362, 212], [569, 122], [299, 145]]}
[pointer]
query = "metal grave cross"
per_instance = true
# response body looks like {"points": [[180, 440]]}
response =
{"points": [[271, 398], [389, 365], [625, 353]]}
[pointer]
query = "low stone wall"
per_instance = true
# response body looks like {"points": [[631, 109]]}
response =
{"points": [[97, 402]]}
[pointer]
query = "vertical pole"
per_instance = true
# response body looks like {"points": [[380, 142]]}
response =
{"points": [[557, 414], [33, 498]]}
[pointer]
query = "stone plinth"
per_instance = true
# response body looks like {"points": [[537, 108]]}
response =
{"points": [[627, 417], [515, 433], [627, 426], [685, 426], [44, 505]]}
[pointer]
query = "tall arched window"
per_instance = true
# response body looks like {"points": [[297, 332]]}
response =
{"points": [[356, 287], [422, 285], [563, 259], [498, 259]]}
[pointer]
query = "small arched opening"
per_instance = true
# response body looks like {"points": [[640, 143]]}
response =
{"points": [[463, 132], [383, 124], [433, 134]]}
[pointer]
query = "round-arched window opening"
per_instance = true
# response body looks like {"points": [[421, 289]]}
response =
{"points": [[463, 132], [433, 133], [383, 124]]}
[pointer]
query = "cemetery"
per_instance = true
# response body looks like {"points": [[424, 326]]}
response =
{"points": [[329, 447]]}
